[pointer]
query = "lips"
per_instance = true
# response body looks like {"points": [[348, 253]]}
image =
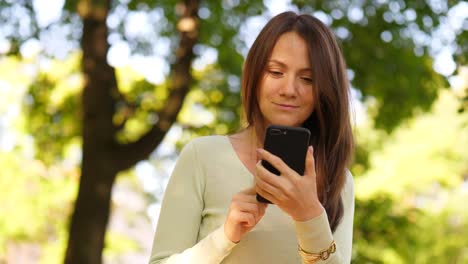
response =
{"points": [[287, 106]]}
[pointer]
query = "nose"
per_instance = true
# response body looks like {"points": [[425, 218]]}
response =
{"points": [[289, 87]]}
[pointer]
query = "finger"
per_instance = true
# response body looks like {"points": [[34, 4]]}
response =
{"points": [[246, 207], [262, 208], [245, 218], [270, 197], [248, 196], [276, 162], [310, 163], [279, 194], [256, 208], [250, 190], [266, 186], [263, 174], [278, 186]]}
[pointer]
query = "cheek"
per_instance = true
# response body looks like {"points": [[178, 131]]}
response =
{"points": [[307, 94], [308, 99], [266, 89]]}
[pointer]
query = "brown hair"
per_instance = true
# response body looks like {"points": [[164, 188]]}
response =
{"points": [[330, 122]]}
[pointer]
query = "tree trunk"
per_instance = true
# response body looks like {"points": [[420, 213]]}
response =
{"points": [[103, 157], [92, 206]]}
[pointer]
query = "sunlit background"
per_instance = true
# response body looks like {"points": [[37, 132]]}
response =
{"points": [[411, 171]]}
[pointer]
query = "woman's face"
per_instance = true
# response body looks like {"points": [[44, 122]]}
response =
{"points": [[285, 93]]}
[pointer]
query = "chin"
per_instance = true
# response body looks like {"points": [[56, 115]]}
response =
{"points": [[286, 123]]}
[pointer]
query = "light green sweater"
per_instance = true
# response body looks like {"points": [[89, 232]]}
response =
{"points": [[190, 226]]}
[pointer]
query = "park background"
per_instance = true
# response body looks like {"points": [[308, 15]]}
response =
{"points": [[97, 98]]}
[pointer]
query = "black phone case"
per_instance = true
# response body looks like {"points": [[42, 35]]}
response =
{"points": [[288, 143]]}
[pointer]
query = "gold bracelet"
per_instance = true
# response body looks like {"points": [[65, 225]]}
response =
{"points": [[310, 258]]}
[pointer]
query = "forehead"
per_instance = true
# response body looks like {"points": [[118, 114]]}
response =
{"points": [[292, 50]]}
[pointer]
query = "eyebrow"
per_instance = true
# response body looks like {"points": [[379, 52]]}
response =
{"points": [[285, 66]]}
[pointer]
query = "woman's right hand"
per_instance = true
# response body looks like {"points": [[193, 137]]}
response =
{"points": [[244, 213]]}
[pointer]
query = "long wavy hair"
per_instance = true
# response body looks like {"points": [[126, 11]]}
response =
{"points": [[329, 123]]}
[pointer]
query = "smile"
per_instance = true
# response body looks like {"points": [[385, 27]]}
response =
{"points": [[286, 106]]}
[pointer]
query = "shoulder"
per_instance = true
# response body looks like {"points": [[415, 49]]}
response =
{"points": [[203, 146], [206, 142], [200, 154]]}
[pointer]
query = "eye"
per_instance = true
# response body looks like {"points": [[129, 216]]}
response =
{"points": [[275, 73], [308, 80]]}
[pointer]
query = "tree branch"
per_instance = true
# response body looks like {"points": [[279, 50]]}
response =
{"points": [[179, 85]]}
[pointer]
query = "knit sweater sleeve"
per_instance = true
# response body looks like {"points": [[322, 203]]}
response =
{"points": [[315, 235], [176, 237]]}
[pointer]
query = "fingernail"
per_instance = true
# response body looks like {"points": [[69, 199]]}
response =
{"points": [[311, 149], [259, 150]]}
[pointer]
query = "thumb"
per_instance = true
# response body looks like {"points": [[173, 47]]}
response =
{"points": [[310, 163], [250, 190]]}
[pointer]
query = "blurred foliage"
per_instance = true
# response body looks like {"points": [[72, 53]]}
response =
{"points": [[37, 197], [53, 108], [439, 137], [36, 201], [118, 243], [409, 206], [382, 71], [386, 232], [387, 70], [382, 234]]}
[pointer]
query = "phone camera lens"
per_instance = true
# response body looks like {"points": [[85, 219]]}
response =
{"points": [[276, 132]]}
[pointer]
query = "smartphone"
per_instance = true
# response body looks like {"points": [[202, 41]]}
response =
{"points": [[288, 143]]}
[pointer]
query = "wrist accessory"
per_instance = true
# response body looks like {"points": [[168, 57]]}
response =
{"points": [[310, 258]]}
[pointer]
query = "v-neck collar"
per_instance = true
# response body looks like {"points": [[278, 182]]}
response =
{"points": [[236, 157]]}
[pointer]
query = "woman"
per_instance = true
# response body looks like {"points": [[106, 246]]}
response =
{"points": [[294, 75]]}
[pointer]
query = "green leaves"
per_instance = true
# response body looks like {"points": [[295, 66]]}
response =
{"points": [[409, 199], [52, 108], [36, 202]]}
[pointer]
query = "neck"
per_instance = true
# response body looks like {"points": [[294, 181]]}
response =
{"points": [[255, 135]]}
